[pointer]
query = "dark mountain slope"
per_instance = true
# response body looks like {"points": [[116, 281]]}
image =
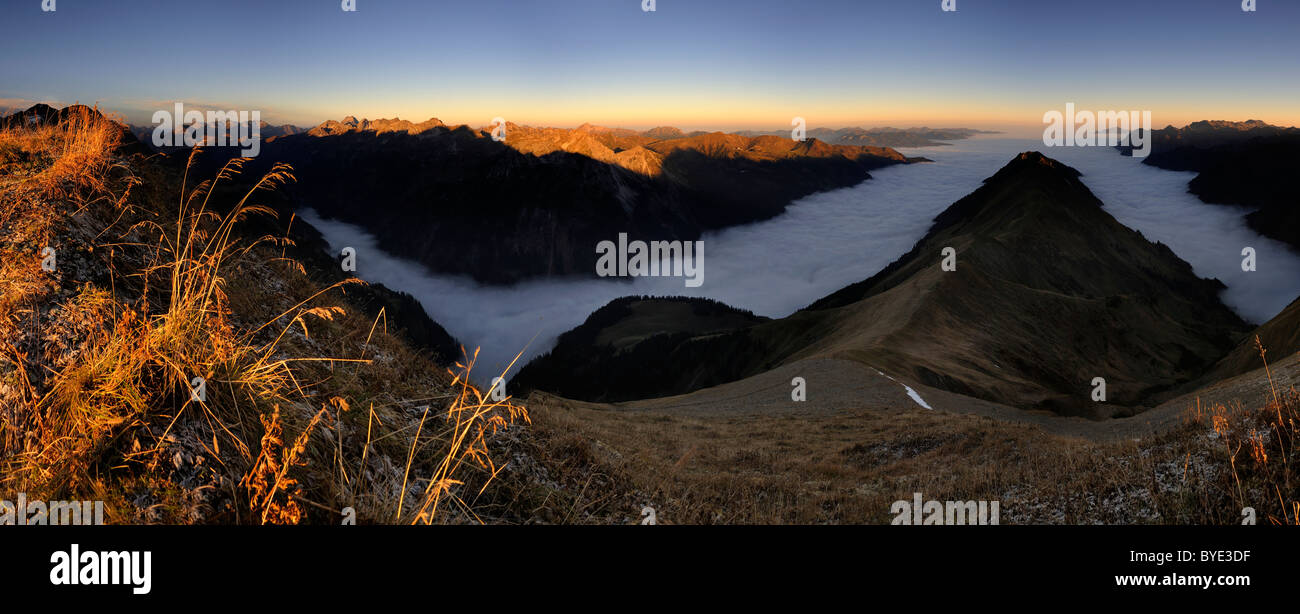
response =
{"points": [[1280, 336], [628, 348]]}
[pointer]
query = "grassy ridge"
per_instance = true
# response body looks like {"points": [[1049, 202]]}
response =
{"points": [[305, 408]]}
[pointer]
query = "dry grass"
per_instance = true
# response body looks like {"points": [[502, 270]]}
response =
{"points": [[818, 468], [1254, 449], [73, 156], [603, 464], [102, 358]]}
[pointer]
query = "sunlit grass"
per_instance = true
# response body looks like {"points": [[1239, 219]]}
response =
{"points": [[1256, 445], [109, 417]]}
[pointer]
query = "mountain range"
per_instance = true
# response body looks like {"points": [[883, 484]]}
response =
{"points": [[885, 137], [1250, 164], [145, 134], [618, 139], [536, 204]]}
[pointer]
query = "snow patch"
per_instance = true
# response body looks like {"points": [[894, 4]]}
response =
{"points": [[910, 392]]}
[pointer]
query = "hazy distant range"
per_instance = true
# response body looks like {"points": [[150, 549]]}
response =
{"points": [[883, 137], [877, 137]]}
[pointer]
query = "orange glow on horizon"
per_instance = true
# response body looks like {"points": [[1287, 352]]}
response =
{"points": [[724, 116], [1024, 119]]}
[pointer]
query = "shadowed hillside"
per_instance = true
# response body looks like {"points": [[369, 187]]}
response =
{"points": [[625, 350], [1281, 335]]}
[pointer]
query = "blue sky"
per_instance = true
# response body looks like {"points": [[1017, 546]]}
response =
{"points": [[690, 63]]}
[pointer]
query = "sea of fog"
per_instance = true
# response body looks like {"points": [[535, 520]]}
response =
{"points": [[829, 240]]}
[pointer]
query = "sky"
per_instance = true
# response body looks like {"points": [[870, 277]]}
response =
{"points": [[695, 64]]}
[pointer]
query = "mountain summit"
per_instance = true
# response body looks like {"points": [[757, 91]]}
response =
{"points": [[1034, 249]]}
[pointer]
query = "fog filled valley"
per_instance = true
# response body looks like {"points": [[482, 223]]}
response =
{"points": [[829, 240]]}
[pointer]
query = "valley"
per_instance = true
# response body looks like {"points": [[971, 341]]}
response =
{"points": [[831, 240], [532, 207]]}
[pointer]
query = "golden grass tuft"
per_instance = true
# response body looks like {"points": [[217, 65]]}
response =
{"points": [[1257, 445], [75, 153], [471, 420]]}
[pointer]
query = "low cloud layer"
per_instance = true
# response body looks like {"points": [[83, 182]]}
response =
{"points": [[832, 239]]}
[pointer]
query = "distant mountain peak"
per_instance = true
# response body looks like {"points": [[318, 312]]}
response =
{"points": [[1032, 160], [41, 108], [1220, 124], [664, 132], [378, 126]]}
